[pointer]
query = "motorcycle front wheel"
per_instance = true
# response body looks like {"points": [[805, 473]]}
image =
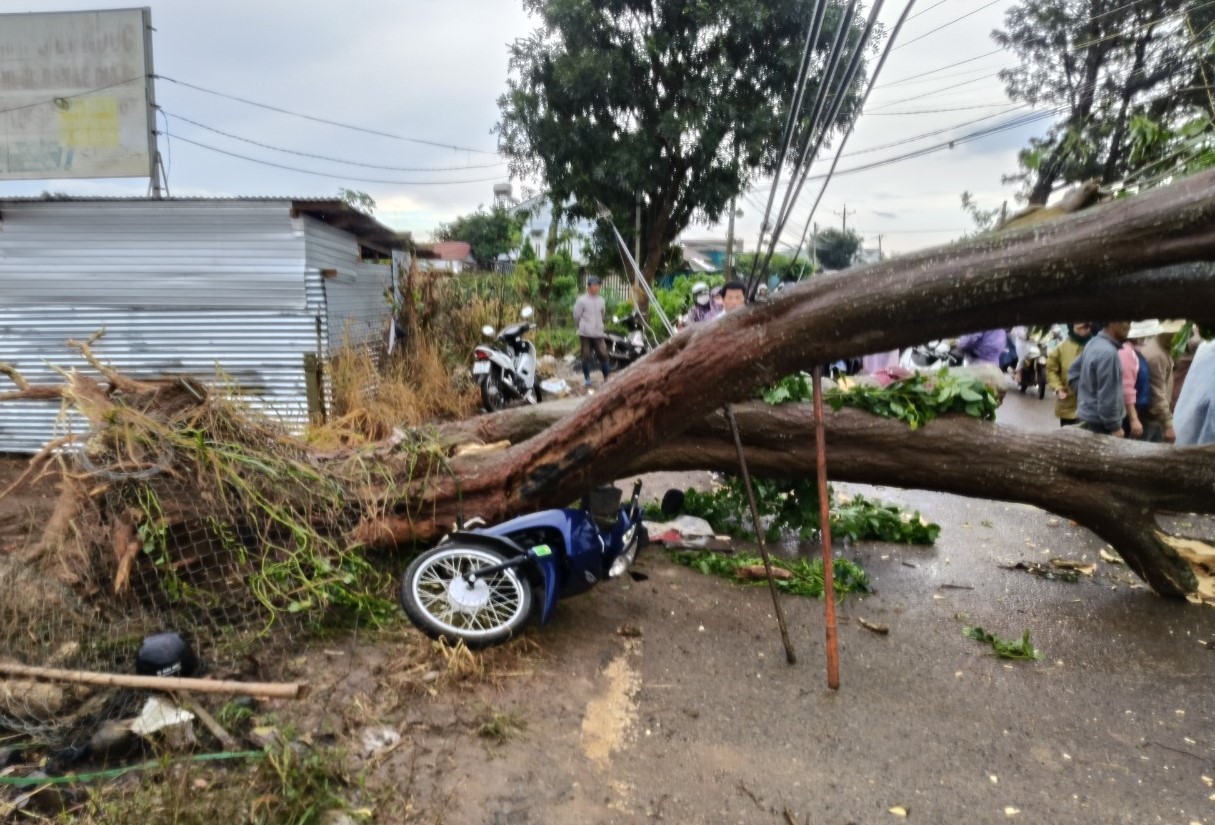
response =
{"points": [[439, 601], [1041, 382], [492, 396]]}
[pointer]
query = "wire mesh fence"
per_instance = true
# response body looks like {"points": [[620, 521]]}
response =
{"points": [[212, 523]]}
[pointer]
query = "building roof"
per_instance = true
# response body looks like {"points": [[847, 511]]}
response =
{"points": [[445, 250], [333, 211]]}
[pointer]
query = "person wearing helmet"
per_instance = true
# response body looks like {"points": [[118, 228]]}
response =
{"points": [[702, 304]]}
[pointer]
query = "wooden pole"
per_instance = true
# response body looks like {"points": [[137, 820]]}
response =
{"points": [[274, 690], [824, 507]]}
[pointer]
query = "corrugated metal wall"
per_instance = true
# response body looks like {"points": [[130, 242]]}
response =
{"points": [[218, 253], [179, 287], [357, 310]]}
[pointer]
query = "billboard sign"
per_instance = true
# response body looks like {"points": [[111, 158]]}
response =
{"points": [[75, 95]]}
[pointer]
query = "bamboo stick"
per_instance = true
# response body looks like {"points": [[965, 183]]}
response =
{"points": [[274, 690]]}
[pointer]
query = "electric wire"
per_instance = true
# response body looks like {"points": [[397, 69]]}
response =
{"points": [[848, 133], [947, 25], [327, 174], [326, 121], [832, 65], [1024, 120], [936, 92], [57, 98], [950, 144], [274, 148], [939, 111], [803, 169], [940, 68], [812, 31], [930, 8]]}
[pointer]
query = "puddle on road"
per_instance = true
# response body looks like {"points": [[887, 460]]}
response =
{"points": [[610, 715]]}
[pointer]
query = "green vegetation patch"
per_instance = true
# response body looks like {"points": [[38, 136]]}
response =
{"points": [[806, 579], [916, 400]]}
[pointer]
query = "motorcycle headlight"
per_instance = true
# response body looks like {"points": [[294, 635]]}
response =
{"points": [[487, 331], [628, 553]]}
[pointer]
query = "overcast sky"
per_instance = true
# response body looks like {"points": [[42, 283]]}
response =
{"points": [[433, 69]]}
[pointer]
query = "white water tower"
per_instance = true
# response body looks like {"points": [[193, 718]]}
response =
{"points": [[503, 194]]}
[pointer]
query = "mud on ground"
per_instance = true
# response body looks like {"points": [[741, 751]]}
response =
{"points": [[699, 719]]}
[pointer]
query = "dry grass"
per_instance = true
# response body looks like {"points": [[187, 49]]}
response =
{"points": [[409, 390]]}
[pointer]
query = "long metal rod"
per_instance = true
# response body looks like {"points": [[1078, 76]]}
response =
{"points": [[790, 657], [606, 215], [824, 508]]}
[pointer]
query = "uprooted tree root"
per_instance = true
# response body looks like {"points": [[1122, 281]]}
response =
{"points": [[180, 508]]}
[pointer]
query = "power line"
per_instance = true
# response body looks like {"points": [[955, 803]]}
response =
{"points": [[936, 92], [940, 68], [273, 148], [326, 121], [946, 25], [934, 133], [57, 98], [327, 174], [936, 111], [930, 8]]}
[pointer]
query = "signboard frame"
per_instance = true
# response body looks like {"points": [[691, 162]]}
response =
{"points": [[99, 126]]}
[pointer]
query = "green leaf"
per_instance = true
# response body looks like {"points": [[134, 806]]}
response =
{"points": [[1020, 649]]}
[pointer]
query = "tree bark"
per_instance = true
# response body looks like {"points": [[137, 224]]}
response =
{"points": [[1113, 487], [1094, 262], [1133, 258]]}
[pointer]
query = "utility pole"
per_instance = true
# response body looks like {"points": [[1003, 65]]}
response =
{"points": [[880, 256], [814, 247], [729, 267], [845, 215]]}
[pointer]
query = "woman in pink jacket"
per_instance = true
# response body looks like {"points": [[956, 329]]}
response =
{"points": [[1130, 373]]}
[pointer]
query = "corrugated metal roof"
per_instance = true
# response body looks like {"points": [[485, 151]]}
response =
{"points": [[332, 211]]}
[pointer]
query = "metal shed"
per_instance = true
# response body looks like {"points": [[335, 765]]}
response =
{"points": [[261, 290]]}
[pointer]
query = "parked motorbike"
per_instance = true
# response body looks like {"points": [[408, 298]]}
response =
{"points": [[933, 355], [478, 586], [627, 348], [1033, 366], [507, 374]]}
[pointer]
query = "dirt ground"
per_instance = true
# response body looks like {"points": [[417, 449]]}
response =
{"points": [[669, 698]]}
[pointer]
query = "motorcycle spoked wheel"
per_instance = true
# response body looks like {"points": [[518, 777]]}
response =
{"points": [[493, 398], [438, 600]]}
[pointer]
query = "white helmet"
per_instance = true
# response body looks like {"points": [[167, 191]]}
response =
{"points": [[700, 292]]}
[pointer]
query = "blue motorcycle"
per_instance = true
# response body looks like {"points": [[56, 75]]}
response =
{"points": [[479, 586]]}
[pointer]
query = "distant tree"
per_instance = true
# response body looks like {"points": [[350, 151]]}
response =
{"points": [[780, 266], [491, 234], [837, 249], [358, 200], [1104, 64], [672, 106]]}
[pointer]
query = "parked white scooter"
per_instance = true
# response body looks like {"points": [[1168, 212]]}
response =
{"points": [[508, 374]]}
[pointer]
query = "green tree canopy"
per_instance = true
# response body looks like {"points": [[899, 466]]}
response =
{"points": [[1107, 65], [490, 233], [836, 249], [673, 105]]}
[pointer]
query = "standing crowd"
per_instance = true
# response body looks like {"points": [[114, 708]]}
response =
{"points": [[1117, 378], [1109, 377]]}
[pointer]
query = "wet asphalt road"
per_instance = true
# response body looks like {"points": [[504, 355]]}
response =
{"points": [[1116, 723]]}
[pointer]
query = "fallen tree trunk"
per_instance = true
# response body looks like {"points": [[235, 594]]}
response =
{"points": [[1114, 487], [1107, 261]]}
